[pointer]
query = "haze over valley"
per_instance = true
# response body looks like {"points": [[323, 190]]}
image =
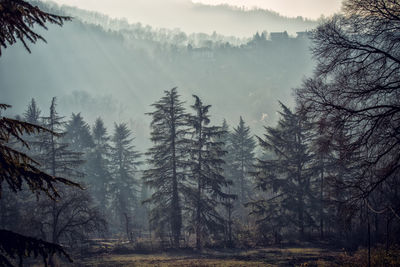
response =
{"points": [[113, 69]]}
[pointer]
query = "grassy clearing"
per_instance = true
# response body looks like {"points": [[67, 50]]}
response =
{"points": [[163, 261], [217, 258]]}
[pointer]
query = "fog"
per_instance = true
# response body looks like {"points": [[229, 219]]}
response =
{"points": [[178, 133], [118, 74], [196, 17]]}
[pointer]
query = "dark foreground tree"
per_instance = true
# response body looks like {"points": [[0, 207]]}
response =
{"points": [[167, 161], [18, 170], [17, 20]]}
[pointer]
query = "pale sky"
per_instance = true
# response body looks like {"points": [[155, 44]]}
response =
{"points": [[292, 8]]}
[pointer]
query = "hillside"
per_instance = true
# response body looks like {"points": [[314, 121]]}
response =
{"points": [[118, 74], [195, 17]]}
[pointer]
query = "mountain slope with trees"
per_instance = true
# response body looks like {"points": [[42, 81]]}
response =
{"points": [[254, 73]]}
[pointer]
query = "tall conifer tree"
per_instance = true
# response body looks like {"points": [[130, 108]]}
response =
{"points": [[227, 167], [98, 164], [167, 161], [288, 175], [124, 187], [55, 155], [32, 113], [243, 145], [206, 153]]}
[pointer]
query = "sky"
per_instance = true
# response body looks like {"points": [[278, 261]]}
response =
{"points": [[292, 8]]}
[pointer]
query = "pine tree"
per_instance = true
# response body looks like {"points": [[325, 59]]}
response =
{"points": [[74, 216], [57, 159], [168, 163], [16, 170], [225, 139], [124, 188], [98, 164], [78, 134], [32, 114], [206, 173], [287, 176], [55, 155], [243, 146]]}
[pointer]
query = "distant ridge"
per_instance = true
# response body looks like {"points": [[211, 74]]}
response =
{"points": [[192, 17]]}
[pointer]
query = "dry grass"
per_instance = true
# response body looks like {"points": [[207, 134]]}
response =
{"points": [[219, 258], [165, 261]]}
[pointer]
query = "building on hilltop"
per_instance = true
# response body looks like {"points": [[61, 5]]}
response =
{"points": [[279, 36]]}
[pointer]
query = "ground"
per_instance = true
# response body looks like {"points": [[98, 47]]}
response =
{"points": [[253, 257]]}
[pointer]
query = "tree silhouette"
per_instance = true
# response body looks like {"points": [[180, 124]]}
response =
{"points": [[355, 90], [206, 153], [287, 176], [18, 19], [168, 161]]}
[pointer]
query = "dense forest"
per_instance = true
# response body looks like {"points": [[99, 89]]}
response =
{"points": [[225, 160]]}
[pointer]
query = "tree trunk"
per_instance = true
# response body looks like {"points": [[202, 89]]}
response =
{"points": [[321, 212], [369, 241], [301, 216], [128, 235], [387, 233], [199, 185], [176, 219], [198, 218]]}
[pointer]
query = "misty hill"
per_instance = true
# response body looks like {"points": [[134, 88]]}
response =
{"points": [[194, 17], [118, 74]]}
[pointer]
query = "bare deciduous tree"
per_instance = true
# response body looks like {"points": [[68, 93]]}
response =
{"points": [[356, 87]]}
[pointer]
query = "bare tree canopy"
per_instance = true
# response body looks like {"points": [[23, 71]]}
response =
{"points": [[356, 87]]}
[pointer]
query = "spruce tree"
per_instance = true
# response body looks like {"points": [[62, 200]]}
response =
{"points": [[286, 177], [98, 164], [57, 159], [206, 162], [78, 134], [225, 139], [243, 145], [32, 113], [124, 187], [167, 161], [55, 155]]}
